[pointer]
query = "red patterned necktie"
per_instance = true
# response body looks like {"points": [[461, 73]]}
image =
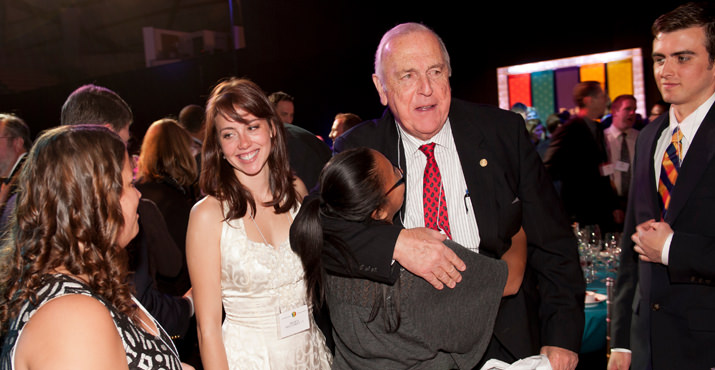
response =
{"points": [[669, 169], [433, 199]]}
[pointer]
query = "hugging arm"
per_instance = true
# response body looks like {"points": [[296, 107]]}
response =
{"points": [[515, 259]]}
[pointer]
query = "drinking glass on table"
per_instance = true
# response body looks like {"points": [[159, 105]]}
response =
{"points": [[612, 251]]}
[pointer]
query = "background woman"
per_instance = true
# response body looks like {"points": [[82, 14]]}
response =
{"points": [[237, 241], [63, 279], [410, 324], [167, 171]]}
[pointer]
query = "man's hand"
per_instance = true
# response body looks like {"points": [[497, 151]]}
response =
{"points": [[560, 358], [619, 361], [650, 237], [421, 252]]}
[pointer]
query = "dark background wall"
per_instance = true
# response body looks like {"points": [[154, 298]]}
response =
{"points": [[322, 53]]}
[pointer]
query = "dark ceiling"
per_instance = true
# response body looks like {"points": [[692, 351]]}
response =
{"points": [[319, 51]]}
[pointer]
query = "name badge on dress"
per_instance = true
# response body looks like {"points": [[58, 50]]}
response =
{"points": [[293, 321]]}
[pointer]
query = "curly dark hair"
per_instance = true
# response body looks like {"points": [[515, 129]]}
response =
{"points": [[68, 216], [217, 176]]}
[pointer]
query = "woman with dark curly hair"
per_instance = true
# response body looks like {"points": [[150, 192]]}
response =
{"points": [[237, 247], [64, 297]]}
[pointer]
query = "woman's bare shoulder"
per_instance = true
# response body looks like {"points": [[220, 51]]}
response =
{"points": [[208, 208], [68, 328]]}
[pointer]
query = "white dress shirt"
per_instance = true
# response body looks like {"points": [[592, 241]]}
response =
{"points": [[689, 127], [462, 222], [613, 147]]}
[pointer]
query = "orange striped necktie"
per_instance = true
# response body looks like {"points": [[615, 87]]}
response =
{"points": [[669, 169]]}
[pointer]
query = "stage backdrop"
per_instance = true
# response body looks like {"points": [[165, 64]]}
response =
{"points": [[547, 86]]}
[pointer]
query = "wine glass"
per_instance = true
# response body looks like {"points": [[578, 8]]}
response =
{"points": [[612, 251]]}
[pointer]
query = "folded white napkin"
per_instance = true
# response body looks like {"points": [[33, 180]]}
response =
{"points": [[538, 362]]}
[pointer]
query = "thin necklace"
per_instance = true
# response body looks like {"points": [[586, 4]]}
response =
{"points": [[259, 231]]}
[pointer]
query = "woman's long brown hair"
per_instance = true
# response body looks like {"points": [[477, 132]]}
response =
{"points": [[217, 176]]}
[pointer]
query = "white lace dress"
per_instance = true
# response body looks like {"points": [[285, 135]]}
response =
{"points": [[259, 281]]}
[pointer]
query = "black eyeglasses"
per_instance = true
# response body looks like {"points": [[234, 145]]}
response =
{"points": [[398, 183]]}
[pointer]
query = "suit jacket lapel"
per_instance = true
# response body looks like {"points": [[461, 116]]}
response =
{"points": [[699, 155], [475, 158]]}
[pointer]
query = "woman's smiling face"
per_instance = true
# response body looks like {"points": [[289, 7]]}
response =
{"points": [[246, 146]]}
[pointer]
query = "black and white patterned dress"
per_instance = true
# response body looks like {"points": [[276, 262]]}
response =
{"points": [[143, 350]]}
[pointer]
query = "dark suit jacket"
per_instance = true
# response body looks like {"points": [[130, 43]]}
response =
{"points": [[307, 154], [175, 204], [667, 313], [172, 312], [573, 158], [509, 188]]}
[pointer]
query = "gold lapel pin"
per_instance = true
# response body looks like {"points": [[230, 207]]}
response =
{"points": [[483, 162]]}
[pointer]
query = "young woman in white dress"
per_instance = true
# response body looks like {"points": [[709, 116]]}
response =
{"points": [[237, 246]]}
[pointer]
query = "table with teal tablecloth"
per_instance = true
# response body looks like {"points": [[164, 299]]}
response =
{"points": [[595, 327]]}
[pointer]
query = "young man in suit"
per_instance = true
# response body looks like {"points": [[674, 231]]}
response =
{"points": [[494, 183], [665, 292]]}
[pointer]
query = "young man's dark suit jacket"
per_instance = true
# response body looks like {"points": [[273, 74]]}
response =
{"points": [[508, 187], [672, 307]]}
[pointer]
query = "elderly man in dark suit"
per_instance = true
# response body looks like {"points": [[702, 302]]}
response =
{"points": [[493, 184], [665, 290]]}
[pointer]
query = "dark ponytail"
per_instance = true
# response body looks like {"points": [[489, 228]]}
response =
{"points": [[306, 239], [350, 189]]}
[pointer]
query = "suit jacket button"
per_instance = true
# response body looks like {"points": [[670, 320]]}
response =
{"points": [[655, 306]]}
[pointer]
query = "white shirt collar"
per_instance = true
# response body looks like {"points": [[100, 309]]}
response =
{"points": [[692, 122], [17, 162], [443, 138]]}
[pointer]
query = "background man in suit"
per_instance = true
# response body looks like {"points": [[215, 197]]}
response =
{"points": [[494, 183], [342, 123], [192, 118], [621, 143], [306, 152], [665, 292], [577, 157], [14, 143], [285, 106]]}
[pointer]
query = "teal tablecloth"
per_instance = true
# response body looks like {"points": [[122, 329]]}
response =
{"points": [[594, 331]]}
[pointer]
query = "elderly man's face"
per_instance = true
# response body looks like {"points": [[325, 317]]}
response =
{"points": [[416, 83]]}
